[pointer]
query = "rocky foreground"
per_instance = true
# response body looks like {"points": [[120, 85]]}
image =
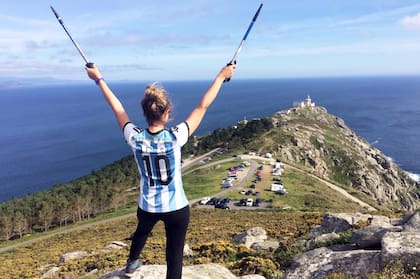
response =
{"points": [[376, 242], [202, 271], [382, 242]]}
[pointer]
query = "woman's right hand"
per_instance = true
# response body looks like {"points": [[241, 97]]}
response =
{"points": [[93, 73], [227, 71]]}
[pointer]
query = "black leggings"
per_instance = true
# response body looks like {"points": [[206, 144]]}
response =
{"points": [[176, 224]]}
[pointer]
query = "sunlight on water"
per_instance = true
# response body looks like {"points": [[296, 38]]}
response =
{"points": [[414, 176]]}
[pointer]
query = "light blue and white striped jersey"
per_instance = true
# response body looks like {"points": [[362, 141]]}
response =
{"points": [[158, 157]]}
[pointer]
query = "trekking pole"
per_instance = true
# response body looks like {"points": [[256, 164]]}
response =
{"points": [[233, 60], [88, 64]]}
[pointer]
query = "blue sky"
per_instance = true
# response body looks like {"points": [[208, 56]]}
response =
{"points": [[189, 40]]}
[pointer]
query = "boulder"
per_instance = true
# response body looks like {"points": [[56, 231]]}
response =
{"points": [[266, 245], [73, 256], [380, 221], [370, 237], [403, 247], [321, 262], [413, 224], [339, 222], [116, 245], [52, 273], [202, 271], [251, 236]]}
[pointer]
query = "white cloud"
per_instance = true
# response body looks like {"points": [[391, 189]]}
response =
{"points": [[411, 22], [378, 16]]}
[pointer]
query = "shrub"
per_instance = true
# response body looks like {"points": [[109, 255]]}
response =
{"points": [[283, 256], [255, 265]]}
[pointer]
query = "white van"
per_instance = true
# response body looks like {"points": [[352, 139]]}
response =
{"points": [[249, 202]]}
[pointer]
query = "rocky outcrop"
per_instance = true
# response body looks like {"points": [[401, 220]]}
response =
{"points": [[255, 238], [380, 242], [329, 149], [401, 246], [51, 273], [73, 256], [251, 236], [323, 261], [203, 271]]}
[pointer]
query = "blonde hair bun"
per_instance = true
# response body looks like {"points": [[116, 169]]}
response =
{"points": [[155, 102]]}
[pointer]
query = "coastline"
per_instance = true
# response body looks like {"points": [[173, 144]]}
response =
{"points": [[62, 138]]}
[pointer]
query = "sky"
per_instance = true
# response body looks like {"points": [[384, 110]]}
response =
{"points": [[193, 40]]}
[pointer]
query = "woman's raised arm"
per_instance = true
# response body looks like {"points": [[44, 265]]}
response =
{"points": [[194, 119], [115, 104]]}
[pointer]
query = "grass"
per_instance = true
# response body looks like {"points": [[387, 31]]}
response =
{"points": [[206, 226], [205, 181], [106, 216]]}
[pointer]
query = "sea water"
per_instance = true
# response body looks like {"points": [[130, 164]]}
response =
{"points": [[53, 134]]}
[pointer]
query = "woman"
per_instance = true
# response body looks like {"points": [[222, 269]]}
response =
{"points": [[158, 155]]}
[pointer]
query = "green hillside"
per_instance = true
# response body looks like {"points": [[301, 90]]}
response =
{"points": [[321, 159]]}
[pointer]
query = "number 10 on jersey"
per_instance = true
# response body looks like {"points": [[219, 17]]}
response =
{"points": [[157, 169]]}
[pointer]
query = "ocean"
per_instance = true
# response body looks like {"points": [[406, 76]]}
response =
{"points": [[53, 134]]}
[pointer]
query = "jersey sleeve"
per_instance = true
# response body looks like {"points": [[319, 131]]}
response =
{"points": [[182, 132], [129, 130]]}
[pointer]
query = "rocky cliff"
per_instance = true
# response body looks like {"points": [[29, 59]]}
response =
{"points": [[322, 144], [383, 242]]}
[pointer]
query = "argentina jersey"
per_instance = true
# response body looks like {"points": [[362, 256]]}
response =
{"points": [[158, 157]]}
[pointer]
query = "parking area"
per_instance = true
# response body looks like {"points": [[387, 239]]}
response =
{"points": [[227, 204]]}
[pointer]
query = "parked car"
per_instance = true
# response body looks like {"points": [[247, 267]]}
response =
{"points": [[222, 203], [205, 200], [257, 202], [225, 200], [213, 201], [222, 206], [282, 191], [227, 183], [249, 192], [242, 202], [242, 192]]}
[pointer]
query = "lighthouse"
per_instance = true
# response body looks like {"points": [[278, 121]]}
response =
{"points": [[308, 102], [302, 104]]}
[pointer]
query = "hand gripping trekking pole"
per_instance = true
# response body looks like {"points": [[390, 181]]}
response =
{"points": [[88, 64], [233, 60]]}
